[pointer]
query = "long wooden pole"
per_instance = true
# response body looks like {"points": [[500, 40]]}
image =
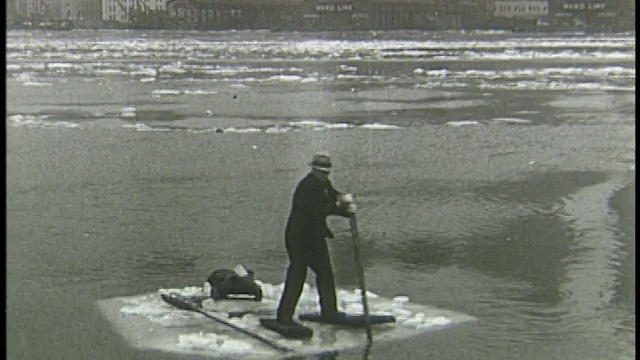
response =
{"points": [[184, 304], [363, 289]]}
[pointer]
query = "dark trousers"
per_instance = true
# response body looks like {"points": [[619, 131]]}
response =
{"points": [[303, 254]]}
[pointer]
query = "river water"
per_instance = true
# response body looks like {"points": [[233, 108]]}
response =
{"points": [[494, 174]]}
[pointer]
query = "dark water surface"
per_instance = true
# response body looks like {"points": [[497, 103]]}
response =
{"points": [[511, 203]]}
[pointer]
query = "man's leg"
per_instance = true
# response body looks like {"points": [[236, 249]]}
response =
{"points": [[321, 265], [296, 274]]}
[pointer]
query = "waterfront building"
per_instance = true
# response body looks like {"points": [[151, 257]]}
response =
{"points": [[341, 15], [125, 11], [522, 15], [38, 8], [426, 14], [56, 9], [592, 14], [236, 14], [327, 14], [82, 11]]}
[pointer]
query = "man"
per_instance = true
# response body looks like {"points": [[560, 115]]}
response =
{"points": [[313, 200]]}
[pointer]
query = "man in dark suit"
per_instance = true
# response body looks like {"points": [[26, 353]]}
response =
{"points": [[313, 200]]}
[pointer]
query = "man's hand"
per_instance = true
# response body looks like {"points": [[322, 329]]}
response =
{"points": [[345, 199], [352, 208]]}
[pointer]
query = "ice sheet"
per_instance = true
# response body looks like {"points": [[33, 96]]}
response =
{"points": [[147, 322]]}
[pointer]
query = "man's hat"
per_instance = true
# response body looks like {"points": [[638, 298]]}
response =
{"points": [[321, 162]]}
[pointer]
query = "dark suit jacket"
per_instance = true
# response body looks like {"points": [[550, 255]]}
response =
{"points": [[313, 201]]}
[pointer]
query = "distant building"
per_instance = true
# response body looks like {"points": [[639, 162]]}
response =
{"points": [[588, 14], [236, 14], [343, 15], [123, 10], [82, 10], [38, 8]]}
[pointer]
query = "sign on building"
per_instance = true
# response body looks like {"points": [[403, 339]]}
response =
{"points": [[520, 9], [334, 7], [582, 5]]}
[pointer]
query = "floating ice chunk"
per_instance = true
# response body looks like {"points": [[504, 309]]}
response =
{"points": [[348, 68], [527, 112], [354, 308], [308, 294], [512, 120], [33, 83], [161, 92], [176, 68], [286, 78], [418, 71], [163, 290], [339, 126], [191, 291], [19, 118], [56, 65], [401, 313], [208, 303], [463, 123], [63, 124], [147, 309], [200, 92], [108, 71], [378, 126], [370, 295], [147, 79], [146, 72], [175, 319], [173, 330], [231, 346], [269, 291], [24, 77], [314, 123], [350, 297], [128, 112], [436, 321], [242, 130], [277, 130], [199, 341], [416, 320]]}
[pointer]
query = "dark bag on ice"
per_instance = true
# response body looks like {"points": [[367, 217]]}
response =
{"points": [[234, 284]]}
